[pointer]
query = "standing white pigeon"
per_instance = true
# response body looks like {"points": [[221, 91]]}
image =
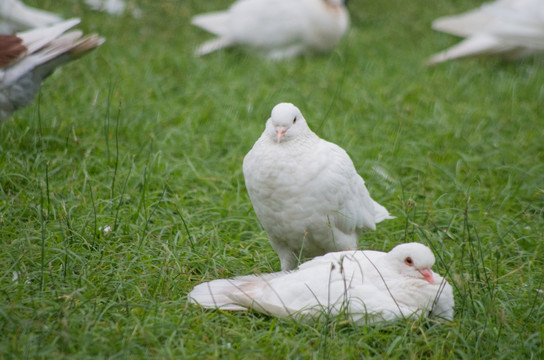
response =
{"points": [[367, 286], [16, 16], [510, 28], [306, 191], [27, 58], [276, 28]]}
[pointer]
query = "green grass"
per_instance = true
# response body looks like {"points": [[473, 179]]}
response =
{"points": [[143, 138]]}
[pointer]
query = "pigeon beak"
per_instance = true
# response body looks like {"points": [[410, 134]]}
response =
{"points": [[427, 275], [280, 131]]}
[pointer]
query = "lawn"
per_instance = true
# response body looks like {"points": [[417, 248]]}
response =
{"points": [[121, 188]]}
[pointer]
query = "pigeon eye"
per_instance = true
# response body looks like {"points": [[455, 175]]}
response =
{"points": [[294, 119], [408, 261]]}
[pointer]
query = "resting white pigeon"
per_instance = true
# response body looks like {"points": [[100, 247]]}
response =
{"points": [[27, 58], [276, 28], [16, 16], [510, 28], [305, 190], [367, 286]]}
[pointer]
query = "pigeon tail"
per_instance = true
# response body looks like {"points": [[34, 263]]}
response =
{"points": [[216, 22], [461, 25], [212, 45], [472, 46], [38, 38], [215, 294], [380, 213], [61, 50], [65, 49], [83, 46]]}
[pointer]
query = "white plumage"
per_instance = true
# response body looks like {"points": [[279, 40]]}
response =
{"points": [[367, 286], [16, 16], [306, 191], [27, 58], [276, 28], [510, 28]]}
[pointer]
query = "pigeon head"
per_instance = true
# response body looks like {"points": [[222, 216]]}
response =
{"points": [[285, 123], [413, 260]]}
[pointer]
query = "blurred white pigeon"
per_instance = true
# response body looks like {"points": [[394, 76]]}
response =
{"points": [[27, 58], [367, 286], [306, 191], [16, 16], [510, 28], [113, 7], [276, 28]]}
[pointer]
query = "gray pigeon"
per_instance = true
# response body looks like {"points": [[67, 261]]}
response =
{"points": [[27, 58]]}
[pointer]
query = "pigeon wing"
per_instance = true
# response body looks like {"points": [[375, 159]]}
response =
{"points": [[344, 191]]}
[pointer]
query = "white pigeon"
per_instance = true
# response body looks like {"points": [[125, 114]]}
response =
{"points": [[276, 28], [16, 16], [27, 58], [306, 191], [510, 28], [367, 286], [113, 7]]}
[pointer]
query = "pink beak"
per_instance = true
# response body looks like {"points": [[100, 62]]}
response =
{"points": [[427, 275], [280, 131]]}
